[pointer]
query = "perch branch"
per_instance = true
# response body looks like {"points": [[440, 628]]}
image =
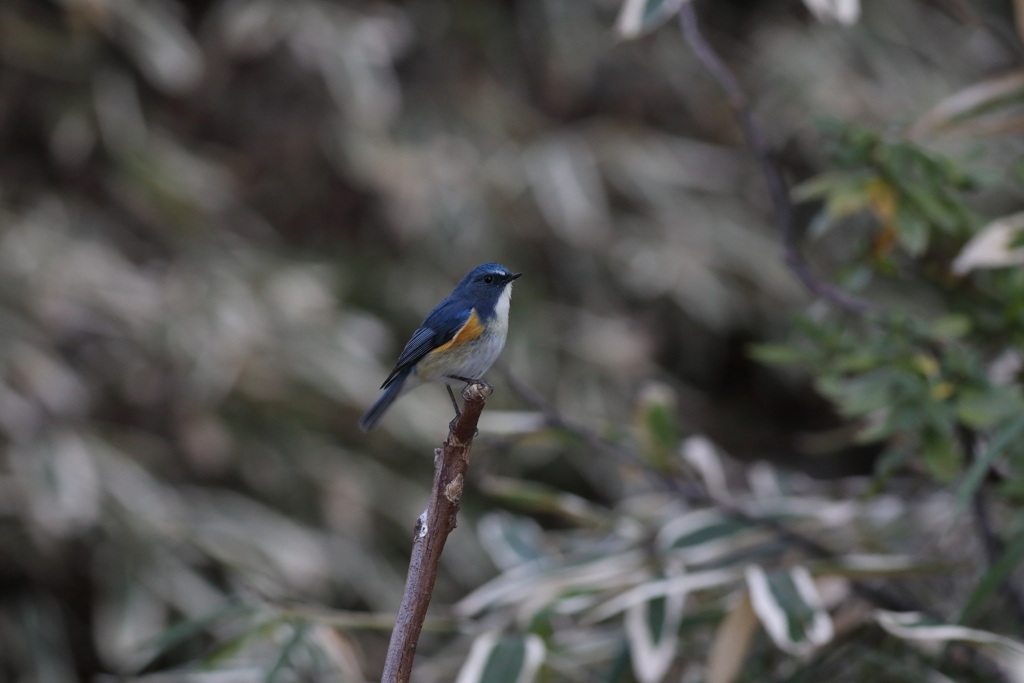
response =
{"points": [[778, 189], [431, 531]]}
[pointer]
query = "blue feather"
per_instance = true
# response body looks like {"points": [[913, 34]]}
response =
{"points": [[393, 390]]}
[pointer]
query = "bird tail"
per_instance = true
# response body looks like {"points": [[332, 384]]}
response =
{"points": [[392, 391]]}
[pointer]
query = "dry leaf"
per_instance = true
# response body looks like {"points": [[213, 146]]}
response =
{"points": [[732, 640]]}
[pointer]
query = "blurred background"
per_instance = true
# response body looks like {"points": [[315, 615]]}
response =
{"points": [[220, 220]]}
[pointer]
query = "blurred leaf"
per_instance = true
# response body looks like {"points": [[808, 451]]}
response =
{"points": [[892, 459], [912, 232], [866, 566], [184, 631], [285, 655], [732, 642], [702, 455], [942, 454], [1011, 558], [884, 199], [656, 423], [778, 354], [859, 395], [952, 326], [982, 409], [979, 468], [789, 607], [510, 540], [230, 648], [619, 668], [652, 628], [537, 497], [648, 589], [705, 535], [840, 11], [1018, 15], [971, 101], [916, 627], [858, 360], [638, 17], [991, 247], [829, 183], [510, 658], [926, 364], [661, 426]]}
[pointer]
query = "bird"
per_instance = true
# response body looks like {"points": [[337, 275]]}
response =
{"points": [[457, 342]]}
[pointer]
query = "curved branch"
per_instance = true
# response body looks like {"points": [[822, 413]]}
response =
{"points": [[778, 189]]}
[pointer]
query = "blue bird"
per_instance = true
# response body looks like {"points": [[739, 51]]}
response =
{"points": [[458, 341]]}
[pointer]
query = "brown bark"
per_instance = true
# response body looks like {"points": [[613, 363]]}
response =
{"points": [[431, 532]]}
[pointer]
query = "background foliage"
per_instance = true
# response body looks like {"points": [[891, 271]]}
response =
{"points": [[220, 220]]}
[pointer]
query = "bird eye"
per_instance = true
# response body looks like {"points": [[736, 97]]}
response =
{"points": [[489, 279]]}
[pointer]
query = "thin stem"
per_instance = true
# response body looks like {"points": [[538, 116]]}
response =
{"points": [[778, 189], [994, 549]]}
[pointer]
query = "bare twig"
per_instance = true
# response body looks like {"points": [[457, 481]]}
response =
{"points": [[432, 528], [554, 419], [776, 181]]}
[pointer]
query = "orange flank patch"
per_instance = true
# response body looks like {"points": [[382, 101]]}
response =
{"points": [[470, 331]]}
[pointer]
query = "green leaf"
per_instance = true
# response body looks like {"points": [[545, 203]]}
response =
{"points": [[983, 409], [619, 667], [979, 468], [235, 645], [860, 395], [638, 17], [952, 326], [509, 658], [859, 360], [822, 185], [892, 459], [790, 609], [914, 626], [705, 535], [712, 532], [652, 627], [187, 629], [655, 420], [661, 426], [510, 540], [537, 497], [911, 231], [942, 455], [777, 354], [875, 566], [284, 657]]}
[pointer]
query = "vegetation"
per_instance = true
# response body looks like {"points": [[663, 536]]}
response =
{"points": [[219, 221]]}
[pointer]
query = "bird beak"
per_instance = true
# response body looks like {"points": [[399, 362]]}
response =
{"points": [[513, 276]]}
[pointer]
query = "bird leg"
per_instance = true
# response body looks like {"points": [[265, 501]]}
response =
{"points": [[455, 404], [458, 413]]}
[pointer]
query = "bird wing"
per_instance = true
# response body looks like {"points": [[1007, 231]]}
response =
{"points": [[440, 327]]}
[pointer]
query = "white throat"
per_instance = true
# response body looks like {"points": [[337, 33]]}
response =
{"points": [[501, 308]]}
